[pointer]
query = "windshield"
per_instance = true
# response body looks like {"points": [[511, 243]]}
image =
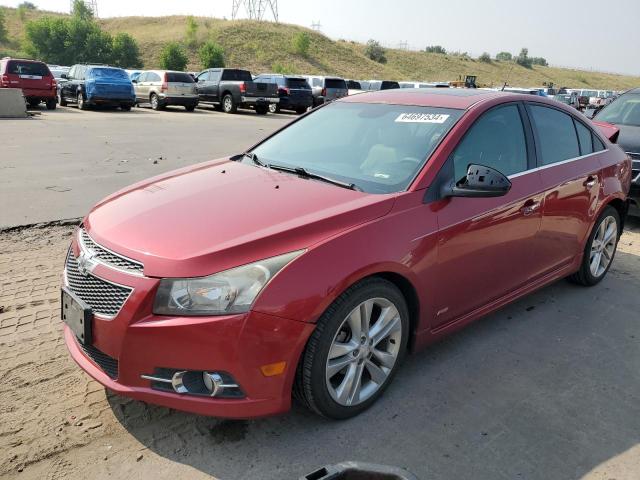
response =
{"points": [[625, 110], [114, 73], [380, 148]]}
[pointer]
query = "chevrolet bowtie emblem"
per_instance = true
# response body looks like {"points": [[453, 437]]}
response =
{"points": [[86, 264]]}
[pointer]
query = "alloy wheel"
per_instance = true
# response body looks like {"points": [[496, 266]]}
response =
{"points": [[227, 104], [603, 246], [80, 101], [364, 351], [154, 102], [273, 108]]}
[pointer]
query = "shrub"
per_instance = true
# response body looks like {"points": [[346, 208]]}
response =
{"points": [[485, 58], [504, 57], [125, 52], [540, 61], [523, 58], [375, 52], [211, 55], [435, 49], [280, 68], [173, 57], [3, 27], [192, 31], [301, 43]]}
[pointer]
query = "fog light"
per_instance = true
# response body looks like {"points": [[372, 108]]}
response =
{"points": [[194, 382], [213, 382]]}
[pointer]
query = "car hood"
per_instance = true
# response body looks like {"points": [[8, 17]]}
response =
{"points": [[629, 138], [214, 216]]}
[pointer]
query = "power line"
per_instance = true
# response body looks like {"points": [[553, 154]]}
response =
{"points": [[403, 45], [255, 9]]}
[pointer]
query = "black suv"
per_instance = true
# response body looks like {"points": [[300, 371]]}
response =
{"points": [[294, 92]]}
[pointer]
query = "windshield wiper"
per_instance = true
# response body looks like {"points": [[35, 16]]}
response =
{"points": [[303, 172]]}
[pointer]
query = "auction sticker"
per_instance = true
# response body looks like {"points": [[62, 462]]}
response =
{"points": [[422, 118]]}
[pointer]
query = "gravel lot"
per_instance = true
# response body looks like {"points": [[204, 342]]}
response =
{"points": [[546, 388]]}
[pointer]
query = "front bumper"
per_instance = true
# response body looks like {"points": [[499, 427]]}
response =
{"points": [[135, 342]]}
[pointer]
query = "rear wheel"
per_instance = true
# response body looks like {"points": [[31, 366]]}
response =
{"points": [[300, 111], [355, 350], [82, 104], [228, 105], [262, 109], [600, 249], [52, 104], [190, 108], [33, 103], [125, 107]]}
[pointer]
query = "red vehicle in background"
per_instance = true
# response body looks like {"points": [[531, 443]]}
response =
{"points": [[312, 263], [33, 77]]}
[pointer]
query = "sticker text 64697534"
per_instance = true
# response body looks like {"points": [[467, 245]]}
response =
{"points": [[422, 118]]}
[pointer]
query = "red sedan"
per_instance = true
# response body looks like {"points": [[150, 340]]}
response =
{"points": [[312, 263]]}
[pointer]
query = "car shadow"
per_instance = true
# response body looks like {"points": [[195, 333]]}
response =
{"points": [[546, 388]]}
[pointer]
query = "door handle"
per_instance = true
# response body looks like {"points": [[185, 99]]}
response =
{"points": [[530, 207], [589, 182]]}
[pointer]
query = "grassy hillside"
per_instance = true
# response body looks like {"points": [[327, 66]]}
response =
{"points": [[263, 46]]}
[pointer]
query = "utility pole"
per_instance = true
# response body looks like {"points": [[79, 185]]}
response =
{"points": [[255, 8], [316, 25], [403, 45]]}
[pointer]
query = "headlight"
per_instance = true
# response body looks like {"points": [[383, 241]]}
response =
{"points": [[231, 291]]}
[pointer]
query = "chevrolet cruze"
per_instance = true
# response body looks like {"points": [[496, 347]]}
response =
{"points": [[310, 264]]}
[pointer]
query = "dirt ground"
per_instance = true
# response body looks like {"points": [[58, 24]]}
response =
{"points": [[55, 422]]}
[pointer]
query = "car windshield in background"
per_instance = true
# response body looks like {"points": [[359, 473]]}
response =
{"points": [[112, 73], [28, 68], [623, 111], [236, 76], [335, 83], [379, 148], [179, 77], [563, 98], [298, 83]]}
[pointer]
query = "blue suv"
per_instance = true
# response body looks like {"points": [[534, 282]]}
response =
{"points": [[96, 85]]}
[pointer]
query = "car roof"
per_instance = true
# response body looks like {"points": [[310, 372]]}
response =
{"points": [[461, 98]]}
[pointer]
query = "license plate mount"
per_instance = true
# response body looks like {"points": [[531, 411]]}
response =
{"points": [[77, 315]]}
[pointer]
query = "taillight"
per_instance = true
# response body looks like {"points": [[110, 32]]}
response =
{"points": [[324, 92], [284, 90], [4, 80], [165, 84], [243, 87]]}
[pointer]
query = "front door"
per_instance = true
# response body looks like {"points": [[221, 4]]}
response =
{"points": [[487, 246]]}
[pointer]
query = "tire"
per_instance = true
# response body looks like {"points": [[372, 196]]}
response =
{"points": [[323, 389], [33, 103], [82, 104], [190, 108], [61, 101], [262, 109], [596, 250], [228, 105], [301, 111], [51, 104], [274, 108], [155, 102], [125, 107]]}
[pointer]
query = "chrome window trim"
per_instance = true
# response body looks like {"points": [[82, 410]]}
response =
{"points": [[97, 259], [537, 169], [100, 315]]}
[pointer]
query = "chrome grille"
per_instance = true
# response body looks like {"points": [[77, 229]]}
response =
{"points": [[105, 298], [107, 256]]}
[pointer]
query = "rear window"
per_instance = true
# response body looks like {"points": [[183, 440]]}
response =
{"points": [[335, 83], [114, 73], [237, 76], [179, 77], [298, 83], [28, 68]]}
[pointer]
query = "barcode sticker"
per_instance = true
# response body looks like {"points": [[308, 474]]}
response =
{"points": [[422, 118]]}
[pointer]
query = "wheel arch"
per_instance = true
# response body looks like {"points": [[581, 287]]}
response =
{"points": [[622, 207]]}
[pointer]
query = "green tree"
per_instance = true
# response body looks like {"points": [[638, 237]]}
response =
{"points": [[173, 57], [28, 6], [523, 58], [435, 49], [540, 61], [504, 57], [192, 32], [3, 26], [301, 43], [211, 55], [81, 10], [47, 39], [485, 58], [125, 52], [375, 51]]}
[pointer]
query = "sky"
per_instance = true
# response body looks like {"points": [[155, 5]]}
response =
{"points": [[586, 34]]}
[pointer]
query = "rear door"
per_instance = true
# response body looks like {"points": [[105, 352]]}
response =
{"points": [[34, 78], [299, 90], [179, 84], [335, 88], [487, 247], [570, 170]]}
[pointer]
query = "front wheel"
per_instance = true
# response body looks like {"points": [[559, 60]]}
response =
{"points": [[190, 108], [155, 102], [600, 249], [82, 104], [61, 101], [273, 108], [300, 111], [355, 350]]}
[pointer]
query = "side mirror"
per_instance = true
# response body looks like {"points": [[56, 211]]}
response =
{"points": [[480, 181], [65, 76]]}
